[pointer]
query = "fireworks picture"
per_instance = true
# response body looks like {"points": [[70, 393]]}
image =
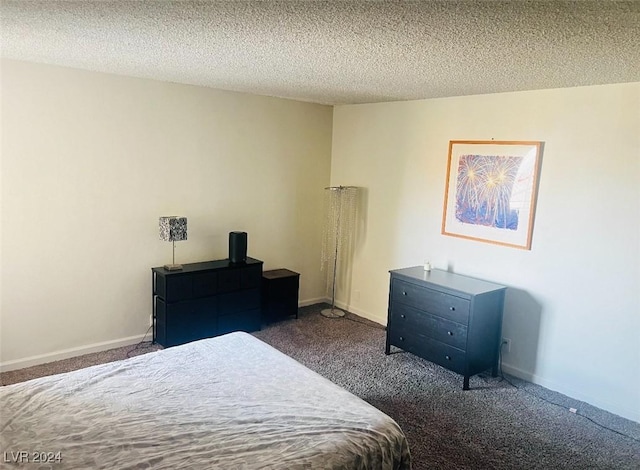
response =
{"points": [[484, 191], [491, 189]]}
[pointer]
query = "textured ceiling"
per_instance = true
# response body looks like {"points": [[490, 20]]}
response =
{"points": [[336, 52]]}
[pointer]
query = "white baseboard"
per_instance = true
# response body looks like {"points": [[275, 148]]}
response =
{"points": [[611, 407], [521, 374], [361, 313], [304, 303], [631, 414], [92, 348], [69, 353]]}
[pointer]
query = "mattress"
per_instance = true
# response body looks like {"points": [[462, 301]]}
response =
{"points": [[230, 402]]}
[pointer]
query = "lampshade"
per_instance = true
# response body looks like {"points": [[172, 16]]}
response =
{"points": [[173, 228]]}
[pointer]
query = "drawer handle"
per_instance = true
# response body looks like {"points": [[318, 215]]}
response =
{"points": [[401, 338], [448, 358], [404, 292], [452, 308], [450, 333], [402, 315]]}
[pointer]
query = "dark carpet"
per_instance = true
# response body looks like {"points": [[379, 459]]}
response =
{"points": [[498, 424], [492, 426]]}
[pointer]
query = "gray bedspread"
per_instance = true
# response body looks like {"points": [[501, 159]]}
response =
{"points": [[231, 402]]}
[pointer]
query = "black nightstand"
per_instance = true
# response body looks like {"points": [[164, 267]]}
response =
{"points": [[279, 294]]}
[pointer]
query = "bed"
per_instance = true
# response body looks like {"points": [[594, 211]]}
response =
{"points": [[230, 402]]}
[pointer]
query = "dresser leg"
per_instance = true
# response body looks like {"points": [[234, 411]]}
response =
{"points": [[465, 383], [387, 344]]}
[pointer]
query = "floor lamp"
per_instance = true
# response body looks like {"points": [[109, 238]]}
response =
{"points": [[338, 234]]}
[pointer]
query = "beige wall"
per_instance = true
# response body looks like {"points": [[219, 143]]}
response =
{"points": [[89, 163], [572, 308]]}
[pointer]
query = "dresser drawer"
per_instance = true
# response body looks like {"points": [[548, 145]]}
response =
{"points": [[174, 288], [251, 277], [248, 321], [442, 354], [205, 284], [407, 318], [229, 281], [182, 322], [239, 301], [432, 301]]}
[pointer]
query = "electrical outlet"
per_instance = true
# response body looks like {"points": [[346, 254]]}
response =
{"points": [[150, 320], [506, 345]]}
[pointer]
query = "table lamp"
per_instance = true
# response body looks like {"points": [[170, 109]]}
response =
{"points": [[173, 229]]}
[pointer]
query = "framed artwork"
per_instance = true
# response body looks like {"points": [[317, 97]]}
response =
{"points": [[491, 189]]}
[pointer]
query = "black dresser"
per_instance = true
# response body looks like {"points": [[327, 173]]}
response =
{"points": [[452, 320], [205, 299]]}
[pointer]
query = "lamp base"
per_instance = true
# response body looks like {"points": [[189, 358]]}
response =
{"points": [[173, 267], [332, 313]]}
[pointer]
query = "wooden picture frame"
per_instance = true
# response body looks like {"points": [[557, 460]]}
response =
{"points": [[491, 191]]}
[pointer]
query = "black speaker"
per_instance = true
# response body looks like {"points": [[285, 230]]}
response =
{"points": [[238, 247]]}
